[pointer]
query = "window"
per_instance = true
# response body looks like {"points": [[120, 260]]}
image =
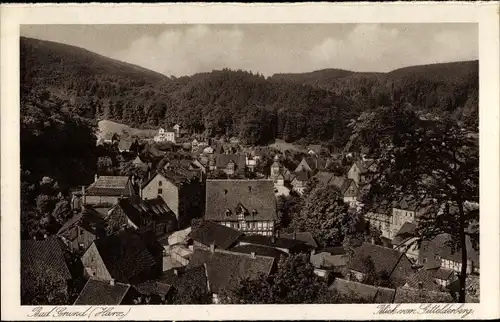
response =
{"points": [[159, 183], [160, 191], [228, 212]]}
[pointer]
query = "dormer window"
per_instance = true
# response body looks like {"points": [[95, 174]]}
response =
{"points": [[249, 188], [228, 212], [254, 212], [225, 191]]}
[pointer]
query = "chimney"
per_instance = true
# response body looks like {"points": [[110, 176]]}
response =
{"points": [[96, 177], [252, 255], [112, 282], [212, 247], [44, 236], [294, 234], [176, 272]]}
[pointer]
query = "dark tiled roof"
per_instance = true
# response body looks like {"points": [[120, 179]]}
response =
{"points": [[209, 232], [137, 160], [272, 242], [306, 237], [384, 295], [366, 293], [259, 250], [194, 276], [352, 289], [238, 159], [35, 253], [97, 292], [324, 177], [440, 246], [222, 195], [302, 176], [88, 219], [137, 210], [408, 228], [384, 259], [424, 278], [326, 260], [441, 273], [152, 287], [226, 269], [405, 232], [110, 186], [125, 255], [43, 258], [412, 295], [338, 250]]}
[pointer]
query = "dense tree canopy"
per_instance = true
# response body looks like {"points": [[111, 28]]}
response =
{"points": [[435, 162], [294, 282], [313, 107]]}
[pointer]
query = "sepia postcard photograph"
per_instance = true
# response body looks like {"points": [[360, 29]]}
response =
{"points": [[190, 165]]}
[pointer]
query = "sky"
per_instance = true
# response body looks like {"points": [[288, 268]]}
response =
{"points": [[267, 49]]}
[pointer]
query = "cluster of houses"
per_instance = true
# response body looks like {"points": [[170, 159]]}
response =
{"points": [[137, 241]]}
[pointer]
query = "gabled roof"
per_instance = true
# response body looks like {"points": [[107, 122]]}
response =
{"points": [[97, 292], [268, 241], [222, 195], [366, 293], [412, 295], [110, 186], [210, 232], [182, 277], [125, 255], [441, 273], [422, 278], [326, 260], [259, 250], [43, 258], [88, 219], [384, 259], [405, 232], [137, 210], [305, 237], [440, 246], [302, 176], [226, 269], [152, 287], [176, 177], [363, 166], [337, 250], [238, 159], [137, 160]]}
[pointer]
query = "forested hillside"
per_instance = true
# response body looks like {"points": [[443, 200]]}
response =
{"points": [[312, 107]]}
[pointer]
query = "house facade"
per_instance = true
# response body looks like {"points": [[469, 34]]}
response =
{"points": [[245, 205], [230, 163], [145, 216], [299, 181], [80, 231], [166, 135], [106, 190], [183, 197], [123, 257], [395, 265]]}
